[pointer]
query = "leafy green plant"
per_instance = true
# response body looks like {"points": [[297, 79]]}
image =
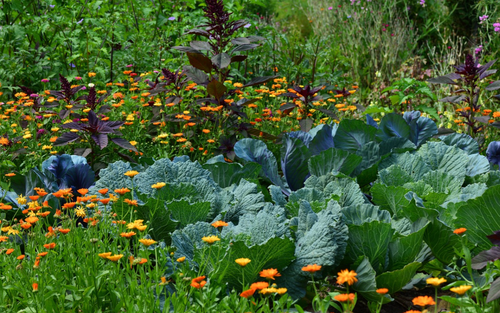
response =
{"points": [[408, 92]]}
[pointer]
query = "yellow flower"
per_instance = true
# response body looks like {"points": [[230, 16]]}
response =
{"points": [[21, 200], [114, 258], [461, 289], [281, 291], [266, 291], [12, 231], [147, 242], [435, 281], [105, 255], [158, 185], [80, 212], [242, 261], [131, 173], [210, 239], [181, 259], [27, 136]]}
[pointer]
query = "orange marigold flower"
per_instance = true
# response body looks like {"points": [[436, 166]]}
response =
{"points": [[9, 251], [345, 297], [412, 311], [346, 276], [127, 235], [105, 201], [32, 219], [35, 287], [259, 285], [22, 256], [34, 198], [423, 301], [460, 231], [247, 293], [83, 191], [41, 192], [122, 191], [25, 225], [58, 213], [270, 273], [69, 205], [311, 268], [103, 191], [4, 238], [198, 282], [382, 291], [64, 230], [131, 202], [219, 224], [51, 245], [10, 174]]}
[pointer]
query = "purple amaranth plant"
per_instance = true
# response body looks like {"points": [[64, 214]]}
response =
{"points": [[94, 131], [307, 95], [210, 63], [467, 78]]}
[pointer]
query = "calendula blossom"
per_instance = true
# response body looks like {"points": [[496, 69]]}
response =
{"points": [[346, 276], [434, 281], [147, 242], [242, 261], [210, 239], [460, 290]]}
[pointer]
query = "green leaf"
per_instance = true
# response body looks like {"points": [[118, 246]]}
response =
{"points": [[366, 284], [364, 213], [393, 125], [369, 239], [161, 226], [404, 250], [394, 175], [260, 226], [396, 280], [461, 141], [481, 217], [390, 198], [413, 165], [274, 253], [441, 239], [189, 213], [333, 160], [351, 135], [442, 182], [442, 157], [226, 174]]}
